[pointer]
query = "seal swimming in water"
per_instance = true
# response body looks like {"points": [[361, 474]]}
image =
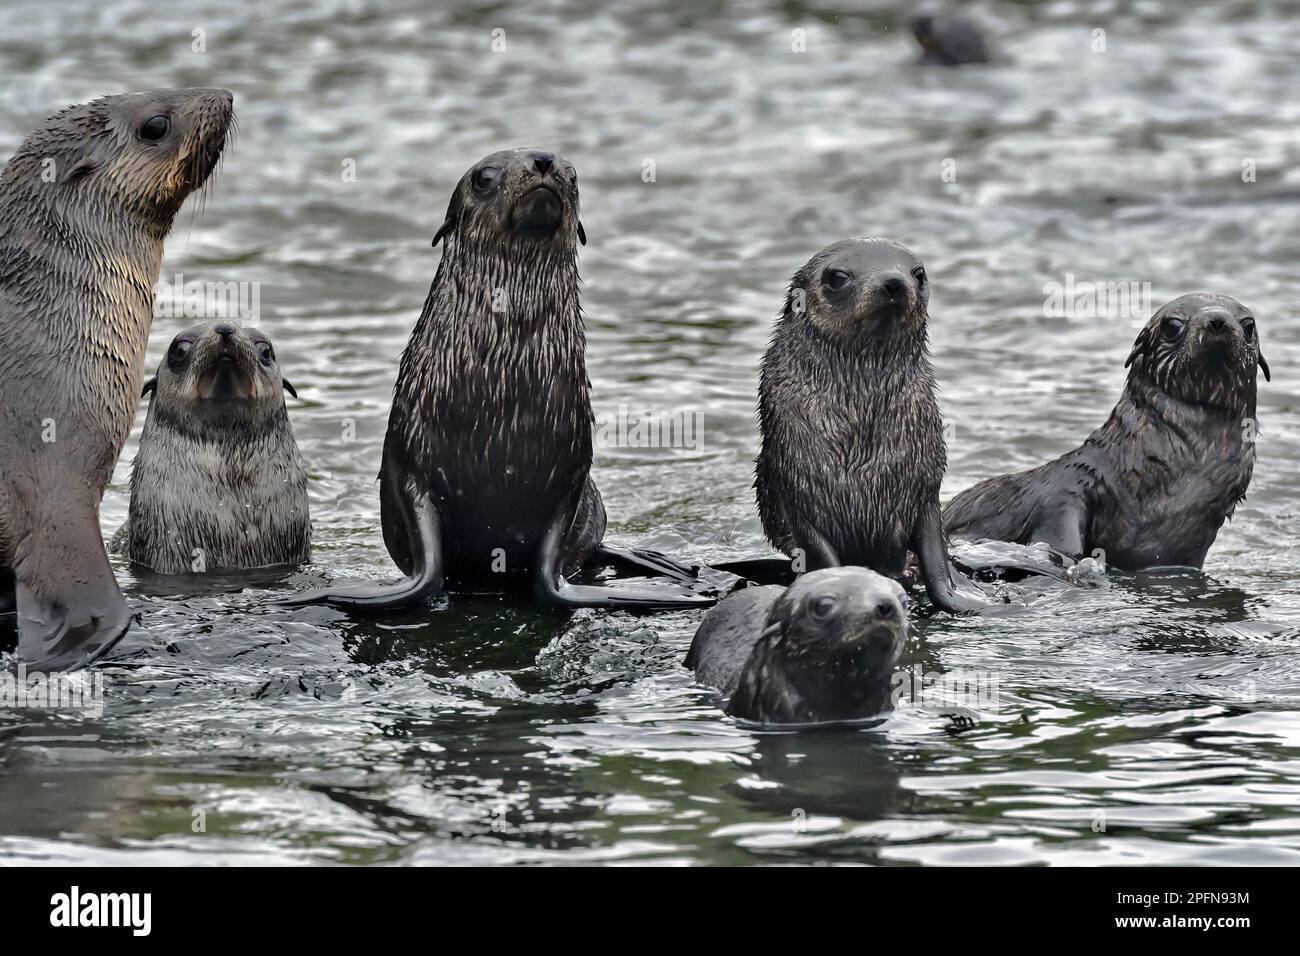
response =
{"points": [[218, 483], [821, 650], [1153, 485], [485, 480], [84, 206], [948, 40], [852, 442]]}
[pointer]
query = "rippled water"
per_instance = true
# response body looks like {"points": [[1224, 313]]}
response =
{"points": [[1147, 721]]}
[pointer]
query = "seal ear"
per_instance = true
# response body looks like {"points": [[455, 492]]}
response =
{"points": [[80, 169], [1140, 346], [453, 217], [288, 387], [149, 386], [582, 233], [1263, 364]]}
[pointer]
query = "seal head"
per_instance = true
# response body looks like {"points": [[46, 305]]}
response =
{"points": [[517, 196], [1201, 349], [826, 651], [948, 40]]}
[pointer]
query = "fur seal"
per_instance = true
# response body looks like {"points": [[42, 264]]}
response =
{"points": [[1153, 485], [821, 650], [852, 442], [218, 483], [485, 480], [84, 206], [948, 40]]}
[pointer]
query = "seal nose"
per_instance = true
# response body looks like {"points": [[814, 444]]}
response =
{"points": [[542, 162], [223, 330], [1218, 321], [885, 609], [893, 284]]}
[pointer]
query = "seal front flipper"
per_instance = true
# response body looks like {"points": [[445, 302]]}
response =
{"points": [[552, 589], [813, 553], [945, 585], [1063, 530], [424, 531], [651, 562], [764, 571], [69, 609]]}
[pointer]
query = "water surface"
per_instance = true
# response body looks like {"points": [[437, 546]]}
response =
{"points": [[1155, 721]]}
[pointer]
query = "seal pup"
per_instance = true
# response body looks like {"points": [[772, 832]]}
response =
{"points": [[218, 483], [84, 206], [821, 650], [852, 449], [1153, 485], [485, 480], [948, 40]]}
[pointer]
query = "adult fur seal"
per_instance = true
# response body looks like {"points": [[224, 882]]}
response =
{"points": [[1154, 484], [948, 40], [84, 206], [218, 483], [852, 442], [822, 650], [485, 480]]}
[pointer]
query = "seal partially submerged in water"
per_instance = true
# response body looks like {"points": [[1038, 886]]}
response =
{"points": [[485, 483], [1154, 484], [822, 650], [948, 40], [218, 483], [852, 442], [84, 206]]}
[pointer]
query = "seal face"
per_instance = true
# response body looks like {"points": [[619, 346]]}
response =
{"points": [[852, 441], [218, 483], [485, 481], [822, 650], [1154, 484], [107, 176]]}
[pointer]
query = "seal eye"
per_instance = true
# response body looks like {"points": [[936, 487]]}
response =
{"points": [[265, 353], [919, 275], [836, 279], [486, 178], [1173, 327], [823, 608], [1248, 328], [155, 128], [179, 353]]}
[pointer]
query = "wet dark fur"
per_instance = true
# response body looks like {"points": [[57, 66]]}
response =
{"points": [[492, 409], [218, 470], [822, 650], [84, 206], [1154, 484], [852, 445]]}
